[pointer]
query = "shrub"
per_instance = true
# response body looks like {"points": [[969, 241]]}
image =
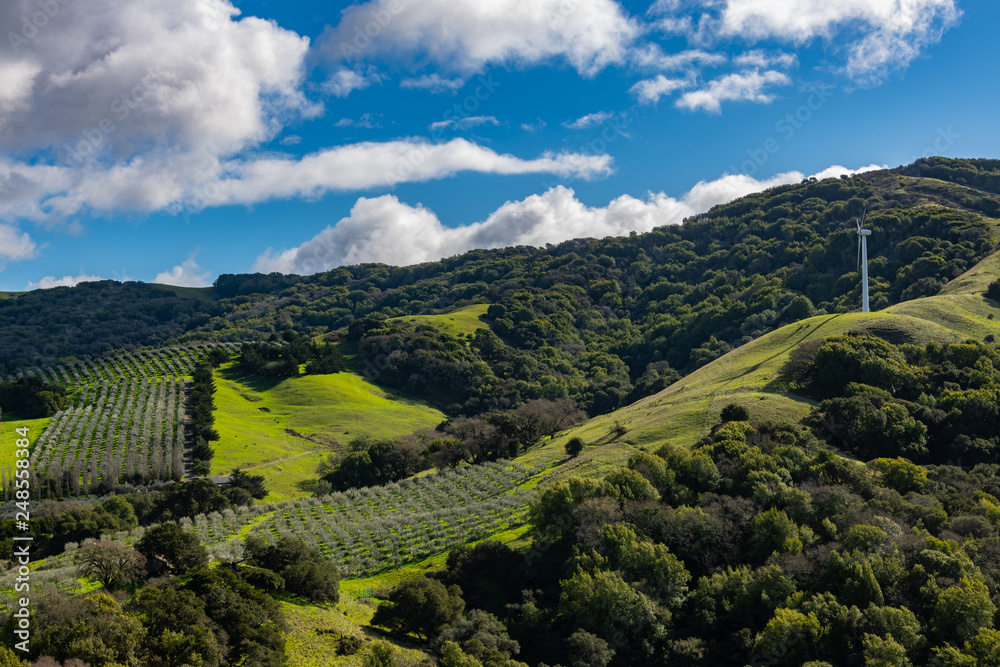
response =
{"points": [[993, 291], [574, 447], [734, 413]]}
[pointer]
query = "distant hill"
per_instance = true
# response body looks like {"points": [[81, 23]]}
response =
{"points": [[605, 322]]}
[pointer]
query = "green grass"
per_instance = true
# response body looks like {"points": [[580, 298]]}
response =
{"points": [[459, 322], [254, 417], [976, 279], [387, 580], [9, 424], [352, 616], [307, 648], [686, 411]]}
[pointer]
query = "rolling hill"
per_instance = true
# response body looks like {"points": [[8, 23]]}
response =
{"points": [[748, 375]]}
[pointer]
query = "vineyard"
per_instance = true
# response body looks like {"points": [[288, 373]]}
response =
{"points": [[124, 422], [372, 529]]}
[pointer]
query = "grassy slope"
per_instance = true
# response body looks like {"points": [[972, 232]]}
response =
{"points": [[461, 321], [8, 434], [306, 647], [687, 409], [200, 293], [352, 616], [254, 414]]}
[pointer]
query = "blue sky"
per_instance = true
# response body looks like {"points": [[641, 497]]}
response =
{"points": [[172, 142]]}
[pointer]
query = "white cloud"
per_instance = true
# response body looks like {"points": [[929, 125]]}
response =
{"points": [[652, 56], [590, 120], [46, 192], [466, 35], [736, 87], [291, 140], [434, 83], [181, 75], [15, 244], [464, 123], [133, 103], [367, 165], [345, 81], [49, 282], [384, 229], [187, 274], [539, 124], [881, 35], [649, 91], [763, 60], [837, 170], [367, 121], [145, 105], [16, 81]]}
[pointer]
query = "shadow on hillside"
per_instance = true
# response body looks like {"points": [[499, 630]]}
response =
{"points": [[258, 383]]}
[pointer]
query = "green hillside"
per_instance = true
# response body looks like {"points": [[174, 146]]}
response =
{"points": [[748, 375], [459, 322], [711, 554], [282, 428]]}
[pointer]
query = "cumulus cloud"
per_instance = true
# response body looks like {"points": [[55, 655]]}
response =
{"points": [[837, 170], [146, 106], [464, 123], [384, 229], [649, 91], [539, 124], [184, 74], [739, 86], [186, 274], [345, 81], [880, 35], [466, 35], [15, 244], [49, 282], [16, 81]]}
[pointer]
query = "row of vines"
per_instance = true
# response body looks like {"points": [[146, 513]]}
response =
{"points": [[372, 529], [125, 422]]}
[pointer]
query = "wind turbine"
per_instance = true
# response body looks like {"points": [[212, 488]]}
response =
{"points": [[863, 235]]}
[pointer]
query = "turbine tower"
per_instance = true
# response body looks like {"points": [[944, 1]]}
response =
{"points": [[863, 235]]}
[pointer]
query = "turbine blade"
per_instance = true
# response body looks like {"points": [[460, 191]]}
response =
{"points": [[859, 251]]}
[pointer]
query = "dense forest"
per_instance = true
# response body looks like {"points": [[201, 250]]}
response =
{"points": [[602, 322], [763, 545]]}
